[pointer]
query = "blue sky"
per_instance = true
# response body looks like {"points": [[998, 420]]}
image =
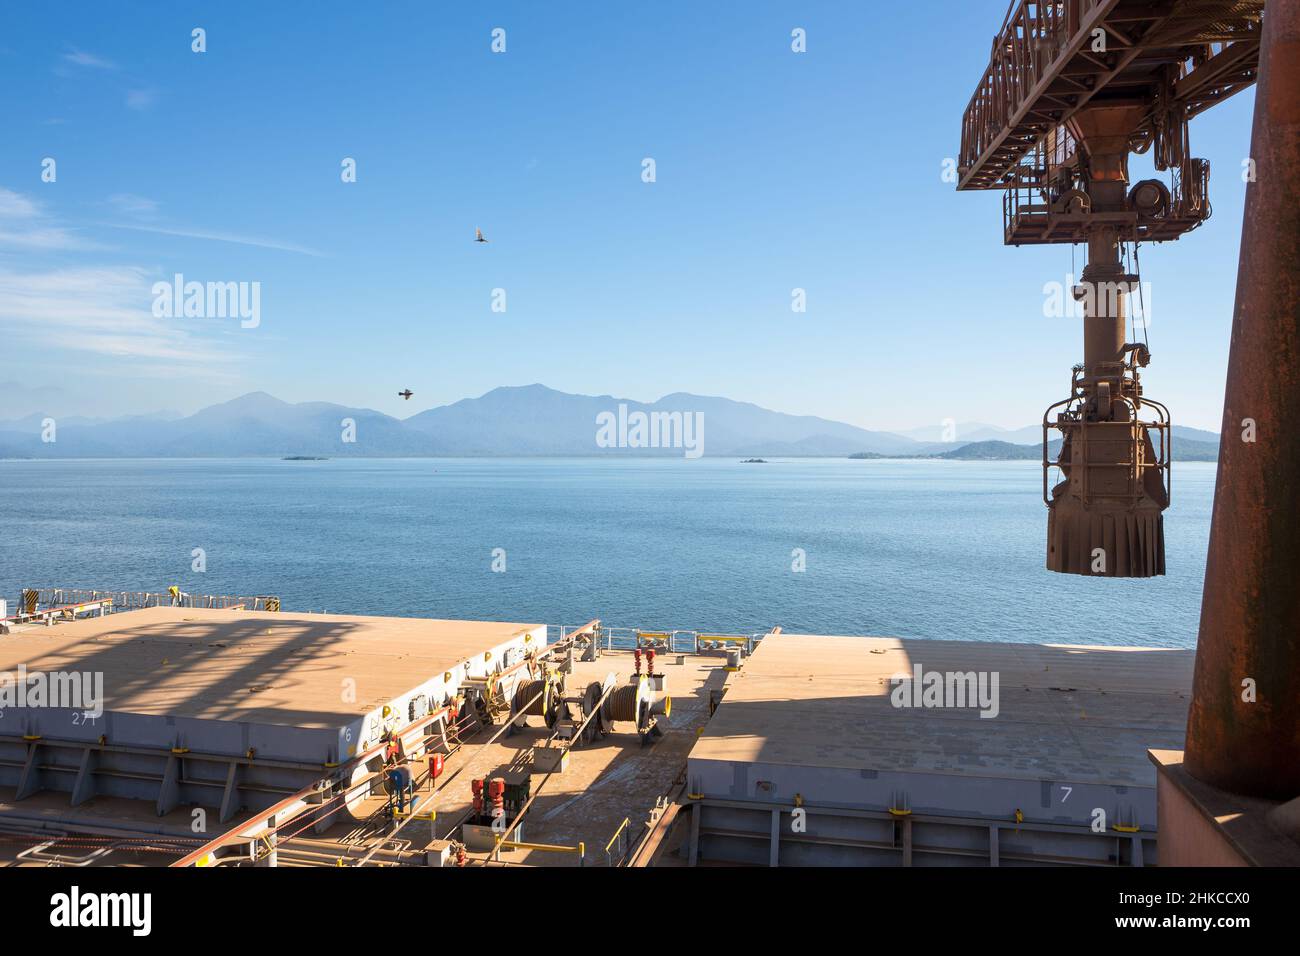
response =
{"points": [[775, 170]]}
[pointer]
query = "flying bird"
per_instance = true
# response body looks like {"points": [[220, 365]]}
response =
{"points": [[406, 394], [478, 235]]}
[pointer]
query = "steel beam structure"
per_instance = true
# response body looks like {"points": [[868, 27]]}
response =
{"points": [[1053, 57]]}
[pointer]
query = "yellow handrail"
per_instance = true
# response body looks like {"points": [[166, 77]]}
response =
{"points": [[580, 849], [620, 829]]}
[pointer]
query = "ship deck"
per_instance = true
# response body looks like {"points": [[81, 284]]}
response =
{"points": [[1087, 713], [278, 668], [807, 721], [607, 782], [1057, 772]]}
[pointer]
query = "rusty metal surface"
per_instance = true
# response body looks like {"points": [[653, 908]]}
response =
{"points": [[1105, 516], [1250, 613], [1042, 70], [1072, 88]]}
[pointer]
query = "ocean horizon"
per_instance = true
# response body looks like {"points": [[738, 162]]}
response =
{"points": [[915, 548]]}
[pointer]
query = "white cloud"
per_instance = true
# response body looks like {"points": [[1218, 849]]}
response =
{"points": [[133, 205], [219, 237], [16, 206], [97, 310], [82, 58], [23, 223], [103, 310], [44, 239]]}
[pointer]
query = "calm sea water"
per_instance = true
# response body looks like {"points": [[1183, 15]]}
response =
{"points": [[909, 548]]}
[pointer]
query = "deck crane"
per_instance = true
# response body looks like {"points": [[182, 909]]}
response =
{"points": [[1072, 87]]}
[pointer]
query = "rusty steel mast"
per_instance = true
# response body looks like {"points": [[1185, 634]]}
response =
{"points": [[1239, 742], [1072, 88]]}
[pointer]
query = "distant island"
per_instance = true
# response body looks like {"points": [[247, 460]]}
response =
{"points": [[754, 461], [303, 458], [999, 451], [975, 451], [1184, 449]]}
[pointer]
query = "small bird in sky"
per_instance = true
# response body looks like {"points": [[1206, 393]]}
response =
{"points": [[406, 394], [478, 235]]}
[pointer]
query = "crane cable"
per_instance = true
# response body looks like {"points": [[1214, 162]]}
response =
{"points": [[1137, 270]]}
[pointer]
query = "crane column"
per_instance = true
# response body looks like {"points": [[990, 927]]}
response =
{"points": [[1243, 733]]}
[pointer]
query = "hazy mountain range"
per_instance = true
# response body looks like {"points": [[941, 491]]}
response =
{"points": [[530, 420]]}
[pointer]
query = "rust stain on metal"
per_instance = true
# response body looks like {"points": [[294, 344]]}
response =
{"points": [[1250, 612], [1052, 123]]}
